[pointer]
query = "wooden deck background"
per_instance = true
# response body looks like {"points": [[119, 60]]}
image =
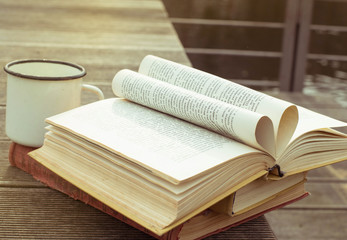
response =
{"points": [[105, 36]]}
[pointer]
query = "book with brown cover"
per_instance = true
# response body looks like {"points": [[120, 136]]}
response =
{"points": [[18, 157]]}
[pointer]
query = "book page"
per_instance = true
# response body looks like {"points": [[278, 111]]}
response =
{"points": [[240, 124], [283, 114], [168, 147], [87, 149], [309, 121], [314, 143]]}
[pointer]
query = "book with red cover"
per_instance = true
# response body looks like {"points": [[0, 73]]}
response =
{"points": [[18, 157]]}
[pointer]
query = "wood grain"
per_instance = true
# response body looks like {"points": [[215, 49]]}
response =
{"points": [[308, 224], [106, 36], [42, 213]]}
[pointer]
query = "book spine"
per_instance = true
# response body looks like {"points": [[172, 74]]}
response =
{"points": [[18, 157]]}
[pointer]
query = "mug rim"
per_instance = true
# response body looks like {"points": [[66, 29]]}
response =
{"points": [[17, 74]]}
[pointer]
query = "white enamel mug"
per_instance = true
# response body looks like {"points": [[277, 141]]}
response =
{"points": [[37, 89]]}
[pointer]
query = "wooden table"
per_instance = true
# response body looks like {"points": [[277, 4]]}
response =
{"points": [[103, 36]]}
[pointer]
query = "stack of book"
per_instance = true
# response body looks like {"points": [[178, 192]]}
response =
{"points": [[183, 154]]}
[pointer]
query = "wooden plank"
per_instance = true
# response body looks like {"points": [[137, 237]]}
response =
{"points": [[117, 24], [103, 10], [334, 172], [49, 214], [50, 38], [324, 195], [4, 147], [2, 123], [3, 90], [11, 176], [307, 224]]}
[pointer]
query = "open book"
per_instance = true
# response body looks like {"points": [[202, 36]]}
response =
{"points": [[180, 140]]}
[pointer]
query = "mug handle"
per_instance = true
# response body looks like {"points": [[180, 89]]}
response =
{"points": [[93, 89]]}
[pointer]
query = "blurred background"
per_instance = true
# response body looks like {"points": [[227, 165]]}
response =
{"points": [[262, 41]]}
